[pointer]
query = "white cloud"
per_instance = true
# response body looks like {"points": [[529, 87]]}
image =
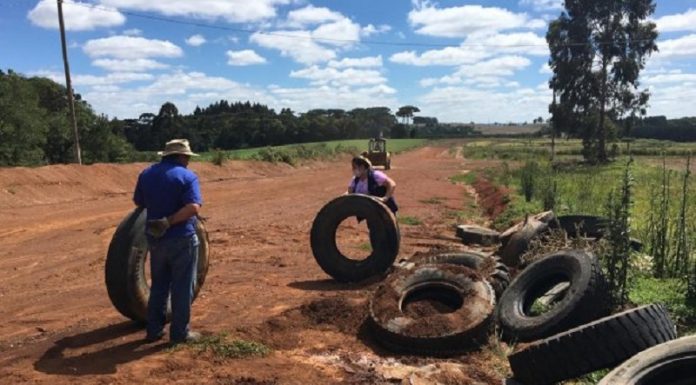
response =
{"points": [[666, 78], [94, 80], [463, 20], [464, 104], [311, 15], [196, 40], [130, 47], [545, 69], [128, 65], [489, 73], [340, 33], [234, 11], [370, 29], [297, 45], [684, 46], [302, 99], [78, 16], [680, 22], [543, 5], [369, 61], [340, 77], [447, 56], [244, 58], [132, 32], [477, 47]]}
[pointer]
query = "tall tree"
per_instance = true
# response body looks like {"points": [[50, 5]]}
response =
{"points": [[598, 48], [406, 112]]}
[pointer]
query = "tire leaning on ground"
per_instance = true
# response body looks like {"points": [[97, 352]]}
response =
{"points": [[600, 344], [670, 363], [126, 281], [463, 322], [384, 238], [491, 267], [586, 298], [477, 235]]}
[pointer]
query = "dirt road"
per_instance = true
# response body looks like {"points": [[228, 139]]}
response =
{"points": [[58, 326]]}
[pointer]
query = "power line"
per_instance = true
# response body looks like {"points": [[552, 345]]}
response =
{"points": [[330, 40]]}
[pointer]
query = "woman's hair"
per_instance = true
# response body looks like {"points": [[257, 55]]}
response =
{"points": [[361, 161]]}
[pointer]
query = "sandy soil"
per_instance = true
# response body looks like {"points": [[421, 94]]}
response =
{"points": [[60, 328]]}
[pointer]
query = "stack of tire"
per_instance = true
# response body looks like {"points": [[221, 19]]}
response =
{"points": [[466, 283]]}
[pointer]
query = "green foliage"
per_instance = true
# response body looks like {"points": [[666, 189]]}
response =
{"points": [[517, 209], [466, 178], [411, 221], [617, 259], [222, 347], [596, 82], [219, 157], [528, 175], [670, 292]]}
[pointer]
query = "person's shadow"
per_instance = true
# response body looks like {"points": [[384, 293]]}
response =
{"points": [[103, 361]]}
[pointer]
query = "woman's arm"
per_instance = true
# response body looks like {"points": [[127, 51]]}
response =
{"points": [[391, 186]]}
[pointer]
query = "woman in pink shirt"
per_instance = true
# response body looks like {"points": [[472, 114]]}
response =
{"points": [[369, 181]]}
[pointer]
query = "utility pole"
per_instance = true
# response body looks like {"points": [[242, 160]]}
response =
{"points": [[71, 98]]}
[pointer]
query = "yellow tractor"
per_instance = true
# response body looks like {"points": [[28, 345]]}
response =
{"points": [[377, 153]]}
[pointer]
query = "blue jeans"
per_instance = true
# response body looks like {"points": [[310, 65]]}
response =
{"points": [[173, 264]]}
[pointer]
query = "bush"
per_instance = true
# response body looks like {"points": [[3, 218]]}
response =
{"points": [[528, 175], [219, 157]]}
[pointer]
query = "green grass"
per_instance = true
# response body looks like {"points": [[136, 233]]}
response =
{"points": [[365, 247], [411, 221], [222, 347], [359, 145], [433, 201], [669, 292], [466, 178]]}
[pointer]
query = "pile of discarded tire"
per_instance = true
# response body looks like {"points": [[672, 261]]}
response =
{"points": [[126, 280], [576, 334]]}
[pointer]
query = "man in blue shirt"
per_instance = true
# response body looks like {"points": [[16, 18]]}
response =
{"points": [[171, 194]]}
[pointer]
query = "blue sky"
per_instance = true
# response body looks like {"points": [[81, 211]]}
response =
{"points": [[480, 61]]}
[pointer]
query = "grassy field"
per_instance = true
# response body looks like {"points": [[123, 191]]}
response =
{"points": [[345, 146]]}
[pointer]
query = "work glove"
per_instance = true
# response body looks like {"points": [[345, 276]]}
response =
{"points": [[156, 228]]}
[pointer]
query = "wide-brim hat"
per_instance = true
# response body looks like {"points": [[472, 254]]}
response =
{"points": [[359, 159], [177, 147]]}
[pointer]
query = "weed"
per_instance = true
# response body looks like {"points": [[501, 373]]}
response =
{"points": [[221, 347], [466, 178], [433, 201], [411, 221], [219, 157]]}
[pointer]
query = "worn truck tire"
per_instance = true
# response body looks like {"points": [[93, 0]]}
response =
{"points": [[477, 235], [547, 218], [590, 226], [519, 241], [585, 300], [491, 267], [464, 325], [126, 282], [669, 363], [600, 344], [384, 238]]}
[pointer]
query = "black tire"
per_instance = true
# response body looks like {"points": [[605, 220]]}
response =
{"points": [[584, 302], [492, 268], [466, 327], [384, 238], [548, 218], [126, 282], [600, 344], [583, 225], [670, 363], [477, 235], [518, 243]]}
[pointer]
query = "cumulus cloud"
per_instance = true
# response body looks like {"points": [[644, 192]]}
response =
{"points": [[682, 47], [460, 21], [196, 40], [487, 73], [369, 61], [244, 58], [130, 47], [129, 65], [340, 77], [296, 45], [94, 80], [475, 48], [311, 15], [132, 32], [543, 5], [370, 29], [680, 22], [234, 11], [78, 16]]}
